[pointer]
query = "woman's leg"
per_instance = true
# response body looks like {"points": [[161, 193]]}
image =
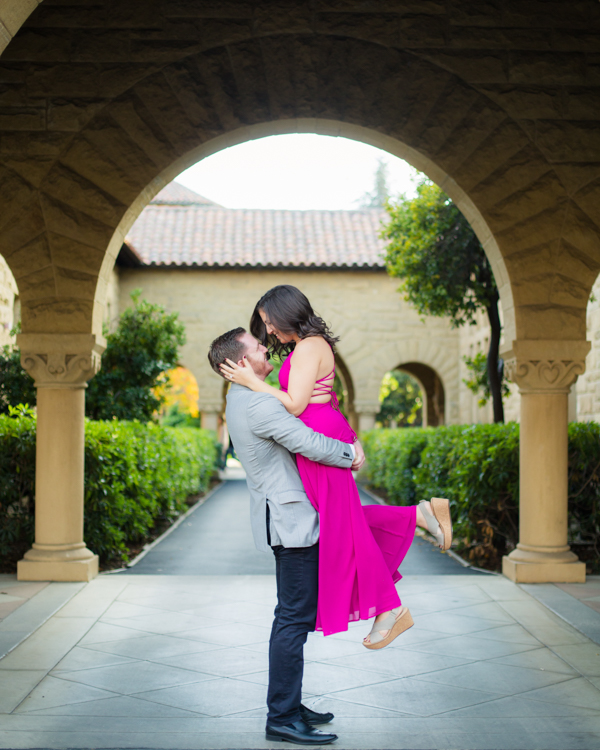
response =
{"points": [[422, 523]]}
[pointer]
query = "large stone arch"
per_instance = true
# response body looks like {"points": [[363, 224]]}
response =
{"points": [[103, 99], [151, 117]]}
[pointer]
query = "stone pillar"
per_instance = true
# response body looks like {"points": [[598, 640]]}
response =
{"points": [[366, 412], [210, 411], [61, 365], [544, 372]]}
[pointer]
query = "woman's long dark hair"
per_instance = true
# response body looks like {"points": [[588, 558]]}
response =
{"points": [[289, 311]]}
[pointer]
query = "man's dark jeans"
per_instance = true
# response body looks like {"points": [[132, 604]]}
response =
{"points": [[297, 572]]}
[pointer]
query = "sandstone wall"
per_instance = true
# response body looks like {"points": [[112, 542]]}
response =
{"points": [[113, 302], [588, 384], [8, 292], [378, 330]]}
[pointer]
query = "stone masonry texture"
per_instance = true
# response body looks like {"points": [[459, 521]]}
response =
{"points": [[103, 102]]}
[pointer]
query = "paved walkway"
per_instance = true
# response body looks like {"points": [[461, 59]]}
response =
{"points": [[216, 540], [180, 661]]}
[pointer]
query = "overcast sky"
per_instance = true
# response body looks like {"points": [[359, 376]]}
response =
{"points": [[298, 171]]}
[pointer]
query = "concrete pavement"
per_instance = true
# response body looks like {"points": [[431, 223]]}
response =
{"points": [[216, 540], [135, 660]]}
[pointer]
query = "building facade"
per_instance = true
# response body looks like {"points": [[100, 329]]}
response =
{"points": [[212, 264]]}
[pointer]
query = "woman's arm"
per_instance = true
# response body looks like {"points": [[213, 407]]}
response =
{"points": [[303, 376]]}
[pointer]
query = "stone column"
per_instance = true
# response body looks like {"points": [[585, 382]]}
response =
{"points": [[61, 365], [544, 372], [366, 411], [210, 411]]}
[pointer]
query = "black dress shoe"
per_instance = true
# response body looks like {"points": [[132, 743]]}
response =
{"points": [[314, 717], [300, 733]]}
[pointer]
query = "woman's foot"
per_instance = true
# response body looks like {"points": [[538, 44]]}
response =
{"points": [[435, 517], [387, 627]]}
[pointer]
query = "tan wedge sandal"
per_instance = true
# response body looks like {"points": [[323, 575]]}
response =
{"points": [[440, 523], [395, 623]]}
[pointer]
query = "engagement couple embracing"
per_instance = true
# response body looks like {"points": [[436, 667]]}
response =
{"points": [[336, 561]]}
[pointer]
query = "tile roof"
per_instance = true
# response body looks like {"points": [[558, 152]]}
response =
{"points": [[180, 228], [175, 194]]}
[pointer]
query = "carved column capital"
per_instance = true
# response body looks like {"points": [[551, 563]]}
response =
{"points": [[545, 366], [61, 360]]}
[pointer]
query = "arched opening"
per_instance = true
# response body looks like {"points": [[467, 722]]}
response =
{"points": [[402, 400], [391, 145], [434, 406], [344, 388]]}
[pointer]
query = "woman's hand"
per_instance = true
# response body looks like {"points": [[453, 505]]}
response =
{"points": [[243, 375]]}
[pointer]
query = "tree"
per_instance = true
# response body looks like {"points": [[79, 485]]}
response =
{"points": [[478, 382], [134, 366], [401, 400], [444, 269], [378, 198]]}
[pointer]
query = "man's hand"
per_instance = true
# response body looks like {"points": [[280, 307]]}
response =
{"points": [[359, 457]]}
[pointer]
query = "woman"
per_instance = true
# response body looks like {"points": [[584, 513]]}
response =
{"points": [[360, 548]]}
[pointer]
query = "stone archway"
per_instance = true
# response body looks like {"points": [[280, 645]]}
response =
{"points": [[345, 375], [110, 100]]}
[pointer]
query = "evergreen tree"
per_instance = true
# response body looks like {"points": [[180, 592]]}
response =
{"points": [[138, 355], [380, 194]]}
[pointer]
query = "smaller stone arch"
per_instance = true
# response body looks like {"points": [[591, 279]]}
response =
{"points": [[432, 388], [348, 384]]}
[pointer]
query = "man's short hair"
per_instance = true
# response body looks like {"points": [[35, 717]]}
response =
{"points": [[226, 346]]}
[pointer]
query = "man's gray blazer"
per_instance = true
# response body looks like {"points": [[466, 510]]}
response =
{"points": [[265, 435]]}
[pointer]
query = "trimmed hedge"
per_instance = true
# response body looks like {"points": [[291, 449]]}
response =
{"points": [[477, 468], [392, 457], [137, 478]]}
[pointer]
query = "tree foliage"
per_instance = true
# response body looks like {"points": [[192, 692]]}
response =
{"points": [[179, 397], [433, 250], [443, 268], [478, 382], [138, 355]]}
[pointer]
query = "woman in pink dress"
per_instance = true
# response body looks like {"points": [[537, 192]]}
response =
{"points": [[360, 548]]}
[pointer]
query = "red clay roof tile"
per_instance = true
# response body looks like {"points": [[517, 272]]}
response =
{"points": [[181, 228]]}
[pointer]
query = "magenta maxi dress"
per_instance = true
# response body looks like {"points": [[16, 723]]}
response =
{"points": [[360, 548]]}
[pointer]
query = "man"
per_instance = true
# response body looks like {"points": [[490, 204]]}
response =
{"points": [[265, 436]]}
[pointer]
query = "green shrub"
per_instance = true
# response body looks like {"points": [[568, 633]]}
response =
{"points": [[584, 491], [137, 477], [16, 386], [477, 468], [17, 478], [393, 455]]}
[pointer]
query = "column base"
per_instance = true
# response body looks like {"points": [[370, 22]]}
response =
{"points": [[59, 570], [543, 572]]}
